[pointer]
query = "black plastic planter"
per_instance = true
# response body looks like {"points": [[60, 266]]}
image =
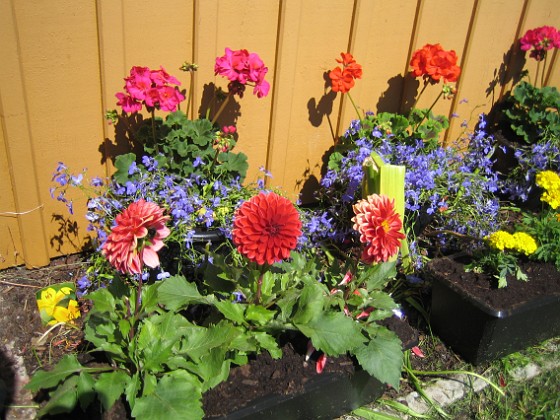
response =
{"points": [[480, 333], [325, 397]]}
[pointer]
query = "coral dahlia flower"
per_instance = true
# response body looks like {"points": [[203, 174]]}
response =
{"points": [[379, 227], [137, 237], [266, 228]]}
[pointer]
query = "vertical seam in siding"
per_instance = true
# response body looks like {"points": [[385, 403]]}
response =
{"points": [[411, 48], [463, 62]]}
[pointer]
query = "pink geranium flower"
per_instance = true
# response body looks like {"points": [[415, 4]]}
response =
{"points": [[379, 227], [242, 68], [540, 40], [136, 237], [152, 88]]}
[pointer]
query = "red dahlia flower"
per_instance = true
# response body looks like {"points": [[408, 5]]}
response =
{"points": [[136, 238], [379, 227], [342, 79], [266, 228], [434, 62]]}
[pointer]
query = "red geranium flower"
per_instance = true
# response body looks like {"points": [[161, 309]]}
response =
{"points": [[137, 237], [434, 62], [342, 79], [266, 228], [379, 227]]}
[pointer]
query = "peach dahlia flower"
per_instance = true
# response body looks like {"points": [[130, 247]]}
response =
{"points": [[137, 237]]}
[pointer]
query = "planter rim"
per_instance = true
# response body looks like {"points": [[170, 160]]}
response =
{"points": [[489, 309]]}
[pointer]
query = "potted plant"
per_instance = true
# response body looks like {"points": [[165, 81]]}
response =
{"points": [[166, 337], [496, 301]]}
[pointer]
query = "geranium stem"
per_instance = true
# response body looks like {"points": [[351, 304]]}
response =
{"points": [[154, 131], [222, 107], [354, 105]]}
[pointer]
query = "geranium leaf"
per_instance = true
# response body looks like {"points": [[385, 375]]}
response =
{"points": [[382, 357], [110, 386], [42, 379], [178, 395], [333, 333], [122, 163]]}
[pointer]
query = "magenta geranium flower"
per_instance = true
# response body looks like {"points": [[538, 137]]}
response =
{"points": [[152, 88], [540, 40], [242, 68]]}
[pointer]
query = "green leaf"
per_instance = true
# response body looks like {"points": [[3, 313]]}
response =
{"points": [[233, 311], [110, 386], [85, 389], [42, 379], [176, 292], [382, 357], [310, 303], [333, 333], [122, 163], [200, 340], [259, 314], [177, 395], [63, 399], [268, 342]]}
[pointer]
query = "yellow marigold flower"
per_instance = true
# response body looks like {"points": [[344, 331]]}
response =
{"points": [[548, 180], [524, 243], [552, 197], [501, 240]]}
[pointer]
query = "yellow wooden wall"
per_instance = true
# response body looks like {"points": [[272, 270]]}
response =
{"points": [[63, 60]]}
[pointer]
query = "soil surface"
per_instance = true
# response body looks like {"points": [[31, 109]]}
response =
{"points": [[544, 280]]}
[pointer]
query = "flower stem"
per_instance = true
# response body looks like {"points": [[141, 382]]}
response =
{"points": [[354, 105], [222, 107], [419, 95], [154, 130], [259, 288], [427, 113]]}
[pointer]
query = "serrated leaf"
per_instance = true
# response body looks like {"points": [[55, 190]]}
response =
{"points": [[110, 386], [233, 311], [178, 395], [333, 333], [310, 303], [199, 341], [63, 399], [269, 343], [42, 379], [259, 314], [85, 388], [382, 357], [176, 292]]}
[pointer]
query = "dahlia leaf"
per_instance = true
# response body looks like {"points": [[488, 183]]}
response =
{"points": [[110, 386], [382, 357], [259, 314], [178, 395], [333, 333], [233, 311], [199, 341], [176, 292], [85, 388], [42, 379], [63, 399]]}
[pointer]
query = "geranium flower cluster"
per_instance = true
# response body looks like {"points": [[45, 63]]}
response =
{"points": [[243, 68], [156, 89], [539, 41], [550, 182], [519, 242], [434, 63], [342, 78]]}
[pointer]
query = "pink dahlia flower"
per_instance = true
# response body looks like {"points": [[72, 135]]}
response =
{"points": [[136, 238], [379, 227], [266, 228]]}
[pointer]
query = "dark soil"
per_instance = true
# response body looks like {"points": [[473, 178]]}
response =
{"points": [[544, 280]]}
